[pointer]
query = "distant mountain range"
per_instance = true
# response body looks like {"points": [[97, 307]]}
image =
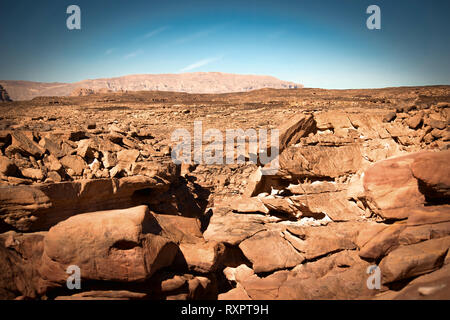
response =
{"points": [[197, 82]]}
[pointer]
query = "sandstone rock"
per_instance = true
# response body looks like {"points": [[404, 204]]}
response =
{"points": [[433, 174], [254, 184], [392, 187], [85, 149], [53, 176], [389, 117], [232, 228], [105, 295], [266, 288], [238, 274], [318, 161], [268, 251], [237, 293], [437, 124], [127, 157], [109, 245], [52, 163], [317, 205], [249, 205], [408, 261], [7, 167], [294, 129], [168, 286], [23, 144], [75, 163], [338, 276], [21, 257], [109, 160], [201, 257], [35, 174], [382, 243], [179, 229], [434, 286], [415, 121], [77, 135], [428, 215], [53, 146], [314, 242], [38, 207], [154, 168]]}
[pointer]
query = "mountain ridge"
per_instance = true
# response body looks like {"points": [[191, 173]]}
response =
{"points": [[194, 82]]}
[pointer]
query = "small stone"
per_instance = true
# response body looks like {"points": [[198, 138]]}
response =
{"points": [[109, 160], [75, 163], [77, 135], [32, 173], [53, 176], [415, 121], [389, 117]]}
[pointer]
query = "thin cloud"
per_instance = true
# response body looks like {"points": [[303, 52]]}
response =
{"points": [[109, 51], [195, 35], [155, 32], [133, 54], [200, 63]]}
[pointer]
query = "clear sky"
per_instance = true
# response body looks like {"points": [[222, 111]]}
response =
{"points": [[317, 43]]}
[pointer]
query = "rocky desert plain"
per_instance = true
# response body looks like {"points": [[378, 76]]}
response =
{"points": [[364, 184]]}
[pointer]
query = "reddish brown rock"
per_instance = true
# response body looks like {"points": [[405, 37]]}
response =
{"points": [[110, 245], [409, 261], [294, 129], [268, 251], [396, 185], [74, 163], [21, 258], [105, 295], [432, 171], [7, 167], [22, 143], [38, 207], [415, 121], [319, 161]]}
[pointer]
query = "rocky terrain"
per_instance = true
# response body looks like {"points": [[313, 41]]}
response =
{"points": [[196, 82], [364, 181]]}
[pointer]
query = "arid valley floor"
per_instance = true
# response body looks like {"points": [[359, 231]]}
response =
{"points": [[364, 180]]}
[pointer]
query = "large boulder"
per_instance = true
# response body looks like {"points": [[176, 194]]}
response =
{"points": [[395, 186], [116, 245], [269, 251], [406, 262], [321, 161]]}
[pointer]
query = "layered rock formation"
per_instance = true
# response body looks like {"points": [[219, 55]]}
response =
{"points": [[196, 82], [90, 183]]}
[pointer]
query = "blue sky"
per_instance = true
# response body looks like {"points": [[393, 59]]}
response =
{"points": [[317, 43]]}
